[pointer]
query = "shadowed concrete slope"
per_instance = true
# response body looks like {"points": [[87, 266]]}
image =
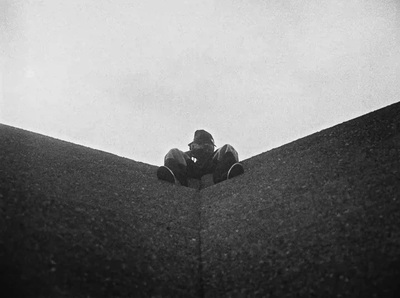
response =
{"points": [[319, 217], [78, 222]]}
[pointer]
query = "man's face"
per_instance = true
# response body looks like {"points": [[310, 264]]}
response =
{"points": [[201, 151]]}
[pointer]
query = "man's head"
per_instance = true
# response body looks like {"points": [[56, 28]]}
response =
{"points": [[202, 145]]}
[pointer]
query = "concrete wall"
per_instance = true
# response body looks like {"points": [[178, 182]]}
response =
{"points": [[316, 217]]}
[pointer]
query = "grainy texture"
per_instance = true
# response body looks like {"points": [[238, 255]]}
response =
{"points": [[77, 222], [319, 217]]}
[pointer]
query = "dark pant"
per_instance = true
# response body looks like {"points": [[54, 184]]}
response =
{"points": [[218, 164]]}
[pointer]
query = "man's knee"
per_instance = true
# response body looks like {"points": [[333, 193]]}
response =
{"points": [[229, 148], [174, 151], [177, 155]]}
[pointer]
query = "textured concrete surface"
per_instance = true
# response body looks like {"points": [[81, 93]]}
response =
{"points": [[319, 217], [77, 222]]}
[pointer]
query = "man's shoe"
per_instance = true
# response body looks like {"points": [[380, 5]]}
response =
{"points": [[164, 173], [223, 167], [179, 171], [235, 170]]}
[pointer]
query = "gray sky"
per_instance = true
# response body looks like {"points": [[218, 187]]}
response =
{"points": [[137, 78]]}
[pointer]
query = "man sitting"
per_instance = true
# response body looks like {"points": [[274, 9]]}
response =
{"points": [[201, 159]]}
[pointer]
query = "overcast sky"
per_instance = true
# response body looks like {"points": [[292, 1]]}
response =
{"points": [[137, 78]]}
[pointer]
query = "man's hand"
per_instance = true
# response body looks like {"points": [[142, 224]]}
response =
{"points": [[201, 151]]}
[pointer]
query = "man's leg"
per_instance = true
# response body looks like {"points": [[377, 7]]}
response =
{"points": [[225, 157], [175, 160]]}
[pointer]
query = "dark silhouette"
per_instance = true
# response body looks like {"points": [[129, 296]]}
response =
{"points": [[201, 159]]}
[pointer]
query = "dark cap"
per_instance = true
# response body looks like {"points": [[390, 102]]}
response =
{"points": [[201, 136]]}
